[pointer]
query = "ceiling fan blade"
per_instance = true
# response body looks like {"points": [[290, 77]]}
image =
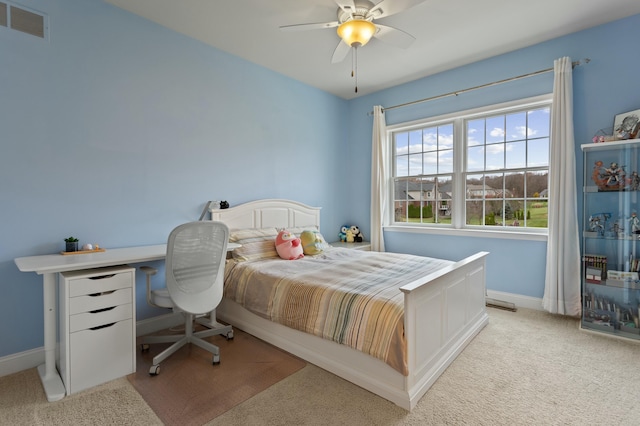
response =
{"points": [[340, 53], [312, 26], [348, 6], [394, 36], [391, 7]]}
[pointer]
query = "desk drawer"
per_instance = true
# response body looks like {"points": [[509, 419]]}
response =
{"points": [[99, 283], [89, 320], [101, 355], [96, 301]]}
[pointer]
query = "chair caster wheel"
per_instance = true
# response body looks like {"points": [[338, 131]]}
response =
{"points": [[154, 370], [216, 360], [230, 335], [144, 347]]}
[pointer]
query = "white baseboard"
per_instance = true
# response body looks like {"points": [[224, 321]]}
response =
{"points": [[519, 300], [33, 357], [21, 361]]}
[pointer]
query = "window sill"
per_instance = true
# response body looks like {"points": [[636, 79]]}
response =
{"points": [[541, 235]]}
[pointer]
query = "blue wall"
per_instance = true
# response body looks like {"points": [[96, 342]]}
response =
{"points": [[116, 130], [603, 88]]}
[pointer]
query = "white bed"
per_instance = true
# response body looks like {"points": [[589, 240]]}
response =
{"points": [[443, 311]]}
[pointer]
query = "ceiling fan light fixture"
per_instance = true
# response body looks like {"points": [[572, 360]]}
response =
{"points": [[356, 32]]}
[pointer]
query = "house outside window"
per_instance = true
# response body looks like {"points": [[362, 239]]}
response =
{"points": [[480, 169]]}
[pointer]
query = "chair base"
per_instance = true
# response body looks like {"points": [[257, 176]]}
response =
{"points": [[189, 336]]}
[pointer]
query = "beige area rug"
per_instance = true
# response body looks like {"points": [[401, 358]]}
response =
{"points": [[191, 391]]}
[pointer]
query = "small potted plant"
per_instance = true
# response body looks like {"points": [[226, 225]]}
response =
{"points": [[71, 244]]}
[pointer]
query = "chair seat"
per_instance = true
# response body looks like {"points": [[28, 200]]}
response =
{"points": [[162, 298]]}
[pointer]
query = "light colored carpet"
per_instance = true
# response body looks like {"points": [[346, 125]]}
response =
{"points": [[23, 402], [524, 368]]}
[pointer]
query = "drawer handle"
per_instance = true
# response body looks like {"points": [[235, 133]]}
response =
{"points": [[101, 277], [104, 293], [102, 310], [101, 326]]}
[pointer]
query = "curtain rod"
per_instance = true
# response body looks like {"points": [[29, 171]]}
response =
{"points": [[458, 92]]}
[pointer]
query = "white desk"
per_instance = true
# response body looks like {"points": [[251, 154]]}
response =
{"points": [[48, 266]]}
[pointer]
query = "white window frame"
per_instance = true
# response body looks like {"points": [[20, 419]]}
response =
{"points": [[458, 226]]}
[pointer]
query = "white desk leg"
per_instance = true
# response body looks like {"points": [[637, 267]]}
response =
{"points": [[51, 381]]}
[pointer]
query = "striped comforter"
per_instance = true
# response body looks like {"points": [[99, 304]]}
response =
{"points": [[349, 296]]}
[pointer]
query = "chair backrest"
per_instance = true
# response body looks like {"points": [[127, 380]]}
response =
{"points": [[196, 254]]}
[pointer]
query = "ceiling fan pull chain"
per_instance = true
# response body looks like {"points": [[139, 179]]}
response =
{"points": [[355, 55], [353, 62]]}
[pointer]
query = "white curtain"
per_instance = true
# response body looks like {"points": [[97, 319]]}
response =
{"points": [[562, 278], [379, 178]]}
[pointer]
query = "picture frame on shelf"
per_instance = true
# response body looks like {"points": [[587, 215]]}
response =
{"points": [[627, 125]]}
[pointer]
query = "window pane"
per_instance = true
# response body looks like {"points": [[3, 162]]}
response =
{"points": [[493, 185], [475, 158], [400, 211], [402, 143], [475, 213], [475, 186], [400, 189], [445, 161], [495, 156], [445, 137], [518, 217], [415, 141], [402, 165], [475, 132], [516, 126], [538, 154], [430, 160], [495, 129], [537, 213], [415, 164], [495, 208], [538, 184], [430, 139], [516, 155], [514, 185], [441, 204], [539, 123]]}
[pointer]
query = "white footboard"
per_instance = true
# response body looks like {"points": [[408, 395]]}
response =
{"points": [[443, 312]]}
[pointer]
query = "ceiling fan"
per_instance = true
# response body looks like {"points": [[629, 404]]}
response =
{"points": [[355, 25]]}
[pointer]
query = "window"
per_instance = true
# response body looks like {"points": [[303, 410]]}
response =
{"points": [[481, 169]]}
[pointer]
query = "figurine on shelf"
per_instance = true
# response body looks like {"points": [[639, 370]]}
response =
{"points": [[612, 178], [634, 181], [598, 172], [615, 175], [628, 129], [634, 223], [595, 225], [617, 229]]}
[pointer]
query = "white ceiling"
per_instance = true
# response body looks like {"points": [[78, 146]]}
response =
{"points": [[449, 34]]}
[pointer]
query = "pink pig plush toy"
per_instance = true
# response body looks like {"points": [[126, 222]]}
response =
{"points": [[288, 246]]}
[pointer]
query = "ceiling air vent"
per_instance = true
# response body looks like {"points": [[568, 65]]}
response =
{"points": [[3, 14], [21, 19]]}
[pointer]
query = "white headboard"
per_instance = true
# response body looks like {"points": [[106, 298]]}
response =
{"points": [[268, 213]]}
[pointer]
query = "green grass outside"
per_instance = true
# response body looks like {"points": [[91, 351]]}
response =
{"points": [[539, 217]]}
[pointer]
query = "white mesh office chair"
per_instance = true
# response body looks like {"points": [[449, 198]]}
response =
{"points": [[196, 254]]}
